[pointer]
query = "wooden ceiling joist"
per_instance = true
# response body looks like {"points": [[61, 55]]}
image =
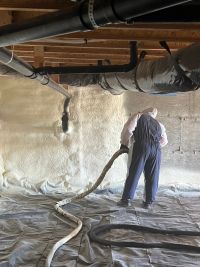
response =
{"points": [[137, 35], [36, 5], [162, 26], [98, 56], [39, 55], [80, 50], [106, 45], [71, 60], [91, 50], [77, 56], [111, 42]]}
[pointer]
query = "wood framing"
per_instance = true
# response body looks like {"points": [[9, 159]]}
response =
{"points": [[111, 42]]}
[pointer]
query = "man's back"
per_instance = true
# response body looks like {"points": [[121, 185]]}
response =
{"points": [[148, 131]]}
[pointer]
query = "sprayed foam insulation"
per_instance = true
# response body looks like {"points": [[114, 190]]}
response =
{"points": [[37, 156]]}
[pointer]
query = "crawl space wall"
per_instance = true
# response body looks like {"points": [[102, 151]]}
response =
{"points": [[38, 157]]}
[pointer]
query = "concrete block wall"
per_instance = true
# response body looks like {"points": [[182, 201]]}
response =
{"points": [[180, 114]]}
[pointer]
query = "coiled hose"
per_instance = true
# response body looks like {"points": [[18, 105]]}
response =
{"points": [[74, 218]]}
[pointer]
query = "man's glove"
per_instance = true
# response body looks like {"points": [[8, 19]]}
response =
{"points": [[124, 147]]}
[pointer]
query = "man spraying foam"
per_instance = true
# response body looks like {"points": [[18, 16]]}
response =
{"points": [[149, 136]]}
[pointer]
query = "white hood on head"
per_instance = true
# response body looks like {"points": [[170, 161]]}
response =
{"points": [[151, 111]]}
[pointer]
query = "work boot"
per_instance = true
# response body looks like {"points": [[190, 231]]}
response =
{"points": [[147, 205], [124, 203]]}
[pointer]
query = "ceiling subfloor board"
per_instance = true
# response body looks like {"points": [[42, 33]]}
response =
{"points": [[36, 5]]}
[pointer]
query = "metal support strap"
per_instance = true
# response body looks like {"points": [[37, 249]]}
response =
{"points": [[91, 14]]}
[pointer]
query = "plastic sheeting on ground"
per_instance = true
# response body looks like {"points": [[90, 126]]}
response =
{"points": [[29, 226]]}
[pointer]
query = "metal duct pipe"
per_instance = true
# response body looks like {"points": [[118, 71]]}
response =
{"points": [[179, 72], [12, 61], [88, 15], [5, 70]]}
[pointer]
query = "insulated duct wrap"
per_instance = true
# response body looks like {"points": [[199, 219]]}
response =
{"points": [[179, 72]]}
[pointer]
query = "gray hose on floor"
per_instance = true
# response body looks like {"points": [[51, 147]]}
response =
{"points": [[73, 218], [100, 229]]}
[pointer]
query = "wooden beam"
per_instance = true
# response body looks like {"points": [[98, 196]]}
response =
{"points": [[157, 25], [120, 57], [22, 17], [69, 60], [90, 54], [71, 49], [36, 5], [137, 35], [152, 46], [58, 56], [105, 45], [39, 55], [5, 17], [87, 55], [93, 61], [73, 55], [91, 50]]}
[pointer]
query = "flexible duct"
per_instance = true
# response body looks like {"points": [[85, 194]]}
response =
{"points": [[87, 15], [179, 72]]}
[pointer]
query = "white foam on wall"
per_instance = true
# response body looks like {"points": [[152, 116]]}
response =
{"points": [[38, 156]]}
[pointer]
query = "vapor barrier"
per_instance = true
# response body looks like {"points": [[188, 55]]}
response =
{"points": [[178, 72], [29, 227]]}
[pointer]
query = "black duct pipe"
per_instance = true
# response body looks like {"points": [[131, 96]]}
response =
{"points": [[88, 15], [183, 13], [94, 69], [12, 61]]}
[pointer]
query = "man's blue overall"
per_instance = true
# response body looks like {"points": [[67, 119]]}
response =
{"points": [[146, 157]]}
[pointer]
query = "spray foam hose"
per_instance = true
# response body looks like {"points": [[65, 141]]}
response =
{"points": [[74, 218]]}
